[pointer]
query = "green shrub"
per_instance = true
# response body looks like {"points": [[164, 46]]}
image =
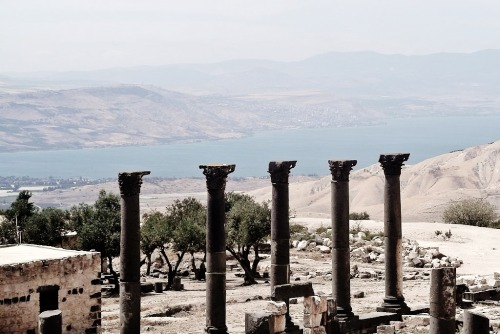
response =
{"points": [[357, 227], [370, 235], [300, 232], [321, 230], [476, 212], [297, 229], [359, 216]]}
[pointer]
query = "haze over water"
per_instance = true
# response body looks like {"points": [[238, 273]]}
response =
{"points": [[421, 137]]}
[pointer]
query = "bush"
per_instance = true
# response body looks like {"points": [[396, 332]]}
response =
{"points": [[476, 212], [321, 230], [359, 216], [300, 232]]}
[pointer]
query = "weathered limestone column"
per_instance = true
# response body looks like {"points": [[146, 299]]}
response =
{"points": [[50, 322], [130, 286], [216, 176], [475, 323], [280, 228], [394, 300], [341, 263], [442, 301]]}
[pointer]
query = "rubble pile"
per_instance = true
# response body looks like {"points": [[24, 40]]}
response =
{"points": [[476, 283], [369, 248]]}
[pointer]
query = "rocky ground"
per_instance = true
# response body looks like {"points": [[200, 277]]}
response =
{"points": [[474, 250]]}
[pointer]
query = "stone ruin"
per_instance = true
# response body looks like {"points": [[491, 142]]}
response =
{"points": [[334, 314], [46, 289], [322, 314]]}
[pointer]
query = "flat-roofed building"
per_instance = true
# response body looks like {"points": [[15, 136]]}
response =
{"points": [[37, 278]]}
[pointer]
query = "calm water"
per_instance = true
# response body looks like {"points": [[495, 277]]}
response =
{"points": [[312, 148]]}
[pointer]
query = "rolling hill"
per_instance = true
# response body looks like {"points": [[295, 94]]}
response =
{"points": [[426, 187]]}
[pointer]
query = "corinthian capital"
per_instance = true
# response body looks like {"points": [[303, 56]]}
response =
{"points": [[280, 170], [216, 175], [130, 182], [340, 169], [392, 163]]}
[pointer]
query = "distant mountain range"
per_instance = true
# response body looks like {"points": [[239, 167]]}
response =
{"points": [[151, 105]]}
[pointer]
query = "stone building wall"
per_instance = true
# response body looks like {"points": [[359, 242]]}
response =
{"points": [[75, 278]]}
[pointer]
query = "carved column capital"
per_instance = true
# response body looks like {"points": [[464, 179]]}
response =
{"points": [[130, 182], [340, 169], [216, 175], [392, 163], [280, 170]]}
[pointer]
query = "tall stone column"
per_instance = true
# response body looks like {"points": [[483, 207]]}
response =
{"points": [[394, 300], [130, 286], [216, 176], [341, 263], [280, 227]]}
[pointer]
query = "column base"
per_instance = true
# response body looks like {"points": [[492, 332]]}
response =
{"points": [[348, 325], [213, 330], [394, 305], [290, 326], [344, 313], [293, 329]]}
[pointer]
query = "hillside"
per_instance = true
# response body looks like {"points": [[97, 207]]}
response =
{"points": [[426, 187], [144, 115], [190, 102]]}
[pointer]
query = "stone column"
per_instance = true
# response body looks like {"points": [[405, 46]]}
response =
{"points": [[475, 323], [216, 176], [341, 285], [442, 301], [394, 300], [130, 286], [280, 228]]}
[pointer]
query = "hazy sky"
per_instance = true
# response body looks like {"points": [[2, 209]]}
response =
{"points": [[92, 34]]}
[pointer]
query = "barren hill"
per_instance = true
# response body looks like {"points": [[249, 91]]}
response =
{"points": [[426, 187]]}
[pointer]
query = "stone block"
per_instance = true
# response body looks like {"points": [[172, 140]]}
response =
{"points": [[287, 291], [302, 245], [495, 283], [496, 275], [386, 329], [331, 306], [257, 323], [416, 320], [467, 279], [276, 307], [416, 261], [315, 330], [312, 305], [312, 320], [358, 294], [397, 324], [323, 249], [277, 323]]}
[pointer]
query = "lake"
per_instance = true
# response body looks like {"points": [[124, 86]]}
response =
{"points": [[312, 148]]}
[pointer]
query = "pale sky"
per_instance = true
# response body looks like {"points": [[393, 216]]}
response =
{"points": [[78, 35]]}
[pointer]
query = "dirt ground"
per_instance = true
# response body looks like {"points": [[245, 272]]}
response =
{"points": [[184, 311]]}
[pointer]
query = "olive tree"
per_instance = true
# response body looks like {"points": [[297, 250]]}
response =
{"points": [[16, 217], [98, 226], [46, 227], [181, 230], [248, 224]]}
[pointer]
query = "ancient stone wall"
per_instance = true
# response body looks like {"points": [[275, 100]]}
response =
{"points": [[74, 278]]}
